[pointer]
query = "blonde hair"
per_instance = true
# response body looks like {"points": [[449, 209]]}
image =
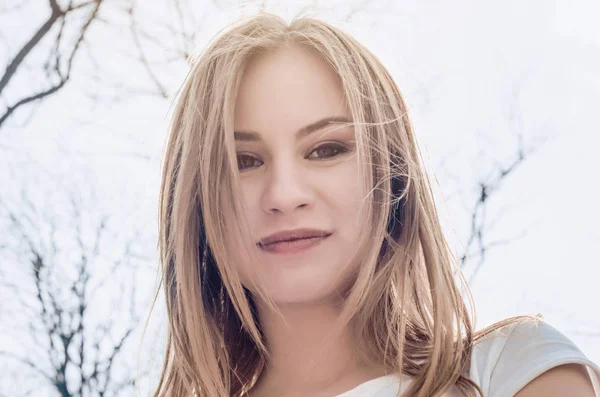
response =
{"points": [[403, 304]]}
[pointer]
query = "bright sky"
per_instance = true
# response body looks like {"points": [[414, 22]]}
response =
{"points": [[474, 75]]}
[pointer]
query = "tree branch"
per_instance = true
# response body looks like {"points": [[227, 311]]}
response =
{"points": [[63, 77], [20, 57]]}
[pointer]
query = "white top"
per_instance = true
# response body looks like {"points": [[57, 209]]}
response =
{"points": [[502, 362]]}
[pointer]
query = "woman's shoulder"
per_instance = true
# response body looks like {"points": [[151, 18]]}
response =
{"points": [[503, 361], [512, 355]]}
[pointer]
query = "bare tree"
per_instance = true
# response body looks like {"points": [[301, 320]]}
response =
{"points": [[59, 63], [478, 245], [479, 241], [58, 288], [147, 46]]}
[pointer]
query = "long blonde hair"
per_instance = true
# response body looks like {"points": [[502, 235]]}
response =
{"points": [[403, 305]]}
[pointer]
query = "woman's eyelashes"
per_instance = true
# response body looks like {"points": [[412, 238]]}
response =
{"points": [[328, 150], [244, 159], [323, 152]]}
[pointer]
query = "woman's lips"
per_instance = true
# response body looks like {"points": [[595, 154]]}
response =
{"points": [[293, 246]]}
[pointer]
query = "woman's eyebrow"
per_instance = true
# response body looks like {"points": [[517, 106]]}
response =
{"points": [[301, 133]]}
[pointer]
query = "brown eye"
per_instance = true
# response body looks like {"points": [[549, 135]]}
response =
{"points": [[328, 151], [246, 161]]}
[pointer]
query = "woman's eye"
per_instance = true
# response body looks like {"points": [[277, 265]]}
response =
{"points": [[246, 161], [328, 151], [323, 152]]}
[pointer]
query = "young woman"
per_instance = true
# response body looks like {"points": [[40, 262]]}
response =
{"points": [[301, 249]]}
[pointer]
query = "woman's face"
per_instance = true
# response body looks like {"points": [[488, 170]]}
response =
{"points": [[297, 172]]}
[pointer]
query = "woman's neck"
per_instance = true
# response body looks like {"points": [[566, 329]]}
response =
{"points": [[309, 355]]}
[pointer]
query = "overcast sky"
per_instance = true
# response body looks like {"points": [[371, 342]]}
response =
{"points": [[474, 74]]}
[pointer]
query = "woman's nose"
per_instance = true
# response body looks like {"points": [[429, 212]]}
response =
{"points": [[287, 188]]}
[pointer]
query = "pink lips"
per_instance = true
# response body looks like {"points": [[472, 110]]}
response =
{"points": [[293, 241]]}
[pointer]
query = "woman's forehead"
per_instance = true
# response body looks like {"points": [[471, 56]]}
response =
{"points": [[287, 89]]}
